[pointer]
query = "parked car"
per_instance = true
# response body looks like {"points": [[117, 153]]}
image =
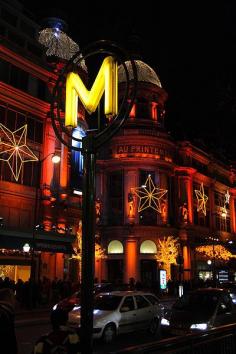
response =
{"points": [[199, 310], [69, 302], [122, 312]]}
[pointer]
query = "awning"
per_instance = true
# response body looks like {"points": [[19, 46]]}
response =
{"points": [[43, 241]]}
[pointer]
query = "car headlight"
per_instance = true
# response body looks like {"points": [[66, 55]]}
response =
{"points": [[55, 307], [201, 326], [165, 322]]}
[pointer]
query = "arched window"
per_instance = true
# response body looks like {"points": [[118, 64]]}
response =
{"points": [[115, 247], [148, 246]]}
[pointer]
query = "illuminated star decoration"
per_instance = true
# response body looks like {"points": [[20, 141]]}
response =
{"points": [[201, 199], [149, 195], [13, 149], [227, 197]]}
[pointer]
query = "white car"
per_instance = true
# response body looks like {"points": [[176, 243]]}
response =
{"points": [[121, 312]]}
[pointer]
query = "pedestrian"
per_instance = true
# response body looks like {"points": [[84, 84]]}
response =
{"points": [[61, 340], [7, 322]]}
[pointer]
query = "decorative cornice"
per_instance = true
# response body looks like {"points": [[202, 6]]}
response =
{"points": [[25, 64], [22, 100]]}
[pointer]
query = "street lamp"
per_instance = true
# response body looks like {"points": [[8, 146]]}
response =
{"points": [[55, 159], [26, 248]]}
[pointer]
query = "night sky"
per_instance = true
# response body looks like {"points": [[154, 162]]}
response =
{"points": [[191, 46]]}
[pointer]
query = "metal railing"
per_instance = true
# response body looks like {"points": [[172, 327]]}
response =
{"points": [[221, 340]]}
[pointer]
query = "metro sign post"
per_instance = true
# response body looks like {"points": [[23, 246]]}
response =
{"points": [[106, 83]]}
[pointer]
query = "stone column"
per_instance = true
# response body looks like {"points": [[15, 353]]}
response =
{"points": [[185, 194], [131, 259]]}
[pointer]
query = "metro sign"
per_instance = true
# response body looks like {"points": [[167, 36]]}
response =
{"points": [[106, 80]]}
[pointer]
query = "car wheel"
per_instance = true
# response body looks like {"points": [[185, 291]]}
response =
{"points": [[109, 333], [155, 327]]}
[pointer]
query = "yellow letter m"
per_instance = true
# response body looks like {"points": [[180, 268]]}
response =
{"points": [[106, 80]]}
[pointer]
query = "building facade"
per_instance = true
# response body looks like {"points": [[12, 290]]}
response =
{"points": [[38, 207], [158, 200], [161, 199]]}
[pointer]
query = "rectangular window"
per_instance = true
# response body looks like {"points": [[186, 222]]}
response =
{"points": [[18, 78], [11, 120], [4, 71], [14, 120], [27, 29], [115, 192], [3, 115], [9, 17], [15, 38]]}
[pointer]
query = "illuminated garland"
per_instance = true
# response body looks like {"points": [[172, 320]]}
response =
{"points": [[59, 44], [13, 149], [201, 199], [7, 271], [216, 251], [150, 196]]}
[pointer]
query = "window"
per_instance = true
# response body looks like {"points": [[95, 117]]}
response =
{"points": [[115, 192], [27, 29], [148, 247], [143, 111], [18, 78], [141, 302], [222, 223], [8, 17], [152, 299], [4, 71], [15, 38], [115, 247], [128, 304], [14, 120], [2, 114]]}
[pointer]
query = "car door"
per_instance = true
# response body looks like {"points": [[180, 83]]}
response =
{"points": [[128, 316], [145, 312], [224, 313]]}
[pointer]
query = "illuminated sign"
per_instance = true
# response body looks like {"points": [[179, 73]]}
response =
{"points": [[142, 151], [106, 80], [163, 283]]}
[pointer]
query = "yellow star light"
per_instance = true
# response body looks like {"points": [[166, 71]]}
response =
{"points": [[149, 195], [13, 149], [201, 199]]}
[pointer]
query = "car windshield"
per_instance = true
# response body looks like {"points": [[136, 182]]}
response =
{"points": [[107, 302], [195, 302]]}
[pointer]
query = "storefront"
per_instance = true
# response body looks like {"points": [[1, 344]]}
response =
{"points": [[49, 256]]}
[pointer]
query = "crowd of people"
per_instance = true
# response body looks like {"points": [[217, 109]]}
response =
{"points": [[37, 294]]}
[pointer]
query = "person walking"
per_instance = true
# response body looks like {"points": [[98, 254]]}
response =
{"points": [[61, 340], [7, 321]]}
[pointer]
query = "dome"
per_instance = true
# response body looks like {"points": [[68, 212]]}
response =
{"points": [[145, 73]]}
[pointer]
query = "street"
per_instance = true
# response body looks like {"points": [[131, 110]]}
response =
{"points": [[28, 334], [30, 325]]}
